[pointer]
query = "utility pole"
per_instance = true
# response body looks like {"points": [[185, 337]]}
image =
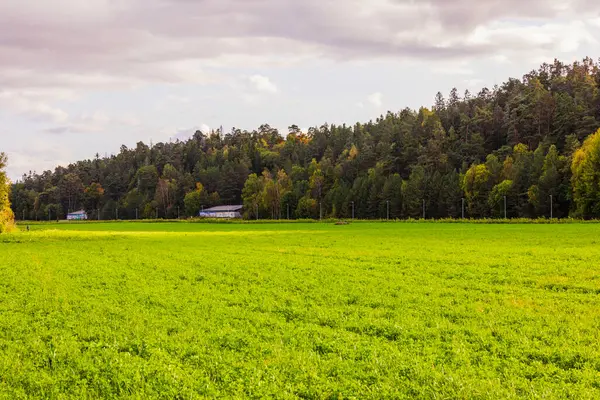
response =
{"points": [[463, 208], [352, 209], [551, 204], [388, 210], [423, 208], [504, 207]]}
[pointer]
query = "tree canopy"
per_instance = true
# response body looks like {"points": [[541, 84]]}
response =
{"points": [[6, 213], [520, 141]]}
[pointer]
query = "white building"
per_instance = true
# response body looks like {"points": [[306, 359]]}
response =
{"points": [[222, 212], [77, 215]]}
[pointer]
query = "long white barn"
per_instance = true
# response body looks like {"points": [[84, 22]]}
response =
{"points": [[77, 215], [222, 212]]}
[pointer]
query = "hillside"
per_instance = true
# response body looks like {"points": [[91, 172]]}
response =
{"points": [[515, 140]]}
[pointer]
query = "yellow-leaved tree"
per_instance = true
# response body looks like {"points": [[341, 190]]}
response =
{"points": [[7, 218], [586, 178]]}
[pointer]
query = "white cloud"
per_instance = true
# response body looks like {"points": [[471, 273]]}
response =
{"points": [[204, 128], [38, 155], [263, 84], [250, 99], [474, 82], [452, 69], [552, 37], [172, 101], [183, 134], [254, 89], [500, 58], [375, 99], [32, 107], [94, 122], [173, 98]]}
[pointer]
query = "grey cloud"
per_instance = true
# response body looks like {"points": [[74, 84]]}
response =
{"points": [[105, 42], [58, 130], [349, 27], [465, 14]]}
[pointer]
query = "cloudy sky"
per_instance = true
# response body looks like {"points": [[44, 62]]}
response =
{"points": [[79, 77]]}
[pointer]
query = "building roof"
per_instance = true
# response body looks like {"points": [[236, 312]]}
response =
{"points": [[80, 212], [224, 209]]}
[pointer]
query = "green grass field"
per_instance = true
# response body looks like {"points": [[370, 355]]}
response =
{"points": [[368, 310]]}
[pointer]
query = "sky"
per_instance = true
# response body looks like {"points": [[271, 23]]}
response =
{"points": [[84, 77]]}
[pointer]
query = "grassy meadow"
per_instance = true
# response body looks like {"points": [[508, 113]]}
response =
{"points": [[300, 310]]}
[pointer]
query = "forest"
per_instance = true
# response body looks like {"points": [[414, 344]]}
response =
{"points": [[528, 145]]}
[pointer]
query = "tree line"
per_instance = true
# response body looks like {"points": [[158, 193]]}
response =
{"points": [[520, 147]]}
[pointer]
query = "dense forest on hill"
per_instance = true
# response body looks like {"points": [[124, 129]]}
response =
{"points": [[522, 139]]}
